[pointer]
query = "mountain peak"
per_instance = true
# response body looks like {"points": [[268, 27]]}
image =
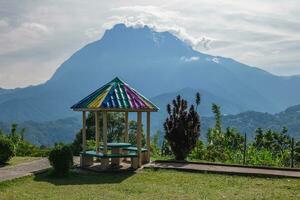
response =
{"points": [[122, 27], [144, 40]]}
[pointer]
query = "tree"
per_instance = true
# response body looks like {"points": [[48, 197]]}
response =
{"points": [[198, 100], [154, 143], [276, 142], [233, 139], [132, 133], [217, 112], [182, 127], [297, 152]]}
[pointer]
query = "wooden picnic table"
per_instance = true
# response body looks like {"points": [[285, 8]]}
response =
{"points": [[116, 148]]}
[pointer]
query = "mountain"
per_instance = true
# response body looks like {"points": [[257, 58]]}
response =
{"points": [[189, 94], [47, 133], [157, 64]]}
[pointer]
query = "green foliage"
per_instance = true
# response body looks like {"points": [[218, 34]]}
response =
{"points": [[182, 128], [61, 159], [273, 141], [132, 133], [6, 150], [233, 140], [199, 151], [269, 148], [261, 157], [24, 148], [165, 148], [217, 112], [154, 143], [297, 152]]}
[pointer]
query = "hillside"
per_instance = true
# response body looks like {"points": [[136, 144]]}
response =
{"points": [[64, 130], [247, 122], [47, 133], [157, 64]]}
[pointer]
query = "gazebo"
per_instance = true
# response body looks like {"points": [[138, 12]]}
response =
{"points": [[115, 96]]}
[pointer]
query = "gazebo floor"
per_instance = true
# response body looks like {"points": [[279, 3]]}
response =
{"points": [[124, 166]]}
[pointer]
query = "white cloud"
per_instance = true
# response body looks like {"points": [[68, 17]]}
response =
{"points": [[35, 27], [259, 33], [189, 59], [216, 60]]}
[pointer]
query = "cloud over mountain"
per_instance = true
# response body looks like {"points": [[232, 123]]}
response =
{"points": [[39, 36]]}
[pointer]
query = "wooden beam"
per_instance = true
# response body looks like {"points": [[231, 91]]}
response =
{"points": [[148, 137], [97, 135], [83, 131], [105, 132], [139, 138], [126, 128]]}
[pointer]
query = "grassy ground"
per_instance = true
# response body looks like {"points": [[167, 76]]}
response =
{"points": [[18, 160], [149, 184]]}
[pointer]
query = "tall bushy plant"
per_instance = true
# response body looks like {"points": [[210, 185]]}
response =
{"points": [[182, 127]]}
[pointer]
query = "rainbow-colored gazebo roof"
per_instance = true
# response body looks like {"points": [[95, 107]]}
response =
{"points": [[115, 96]]}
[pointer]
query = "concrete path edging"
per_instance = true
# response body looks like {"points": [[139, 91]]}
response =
{"points": [[223, 169]]}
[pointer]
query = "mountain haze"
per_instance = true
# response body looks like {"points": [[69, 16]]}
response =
{"points": [[157, 64]]}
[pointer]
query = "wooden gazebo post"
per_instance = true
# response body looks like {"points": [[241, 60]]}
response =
{"points": [[97, 134], [139, 138], [104, 161], [84, 160], [148, 137], [83, 131], [126, 128]]}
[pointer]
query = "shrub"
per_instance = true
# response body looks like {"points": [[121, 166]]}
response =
{"points": [[61, 159], [297, 152], [182, 128], [6, 150], [24, 148], [198, 151]]}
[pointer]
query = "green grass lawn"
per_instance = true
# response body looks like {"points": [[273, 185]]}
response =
{"points": [[18, 160], [149, 184]]}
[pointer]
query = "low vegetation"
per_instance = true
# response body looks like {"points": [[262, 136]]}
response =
{"points": [[269, 147], [21, 159], [149, 184], [13, 144]]}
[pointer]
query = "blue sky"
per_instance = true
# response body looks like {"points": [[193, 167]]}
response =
{"points": [[37, 36]]}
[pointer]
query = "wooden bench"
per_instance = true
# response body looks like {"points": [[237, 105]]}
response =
{"points": [[134, 150], [101, 155]]}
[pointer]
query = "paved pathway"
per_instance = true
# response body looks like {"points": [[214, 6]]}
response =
{"points": [[23, 169], [26, 169], [223, 169]]}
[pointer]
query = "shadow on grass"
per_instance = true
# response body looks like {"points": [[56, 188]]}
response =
{"points": [[78, 178]]}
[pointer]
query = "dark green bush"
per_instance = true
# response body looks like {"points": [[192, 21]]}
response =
{"points": [[6, 150], [61, 159]]}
